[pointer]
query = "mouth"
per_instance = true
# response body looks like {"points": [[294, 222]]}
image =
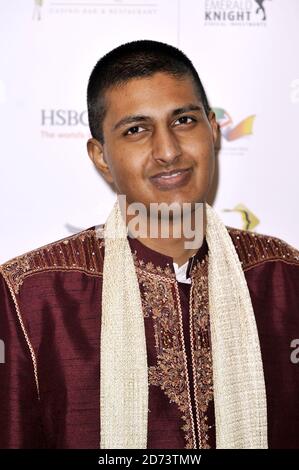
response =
{"points": [[172, 179]]}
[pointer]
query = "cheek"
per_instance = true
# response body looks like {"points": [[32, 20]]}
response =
{"points": [[203, 157], [124, 173], [116, 161], [199, 144], [204, 161]]}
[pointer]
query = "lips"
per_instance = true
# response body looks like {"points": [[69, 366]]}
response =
{"points": [[171, 179]]}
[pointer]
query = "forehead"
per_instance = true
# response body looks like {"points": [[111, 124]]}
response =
{"points": [[157, 92]]}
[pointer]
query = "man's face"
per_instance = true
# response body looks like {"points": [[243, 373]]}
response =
{"points": [[156, 125]]}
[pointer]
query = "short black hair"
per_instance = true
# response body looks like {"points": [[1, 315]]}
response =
{"points": [[134, 59]]}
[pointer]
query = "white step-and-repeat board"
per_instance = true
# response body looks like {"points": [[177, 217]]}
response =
{"points": [[246, 53]]}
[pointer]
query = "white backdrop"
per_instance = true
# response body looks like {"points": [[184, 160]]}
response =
{"points": [[249, 66]]}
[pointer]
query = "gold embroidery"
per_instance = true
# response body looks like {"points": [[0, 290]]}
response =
{"points": [[254, 248], [170, 373], [32, 353], [80, 252], [200, 347], [151, 268], [161, 302]]}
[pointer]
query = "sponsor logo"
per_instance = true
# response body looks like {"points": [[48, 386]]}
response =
{"points": [[64, 123], [110, 8], [37, 9], [63, 117], [235, 13], [228, 130], [249, 219], [261, 8]]}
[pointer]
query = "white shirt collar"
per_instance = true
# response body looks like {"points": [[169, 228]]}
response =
{"points": [[181, 272]]}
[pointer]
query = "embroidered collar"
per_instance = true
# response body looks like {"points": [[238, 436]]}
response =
{"points": [[160, 261]]}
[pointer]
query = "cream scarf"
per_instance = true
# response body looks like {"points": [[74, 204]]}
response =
{"points": [[239, 388]]}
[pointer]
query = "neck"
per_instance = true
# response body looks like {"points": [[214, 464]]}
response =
{"points": [[174, 248], [179, 248]]}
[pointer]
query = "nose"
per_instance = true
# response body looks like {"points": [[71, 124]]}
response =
{"points": [[165, 146]]}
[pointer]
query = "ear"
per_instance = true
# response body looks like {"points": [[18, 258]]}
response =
{"points": [[95, 151], [214, 125]]}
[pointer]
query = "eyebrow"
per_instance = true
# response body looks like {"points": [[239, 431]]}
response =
{"points": [[142, 118]]}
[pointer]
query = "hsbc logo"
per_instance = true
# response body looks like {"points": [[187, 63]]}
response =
{"points": [[63, 117]]}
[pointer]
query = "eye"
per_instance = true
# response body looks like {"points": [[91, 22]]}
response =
{"points": [[185, 120], [134, 130]]}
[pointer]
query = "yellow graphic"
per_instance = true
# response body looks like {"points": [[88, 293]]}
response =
{"points": [[249, 219]]}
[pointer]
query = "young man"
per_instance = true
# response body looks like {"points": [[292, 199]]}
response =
{"points": [[116, 341]]}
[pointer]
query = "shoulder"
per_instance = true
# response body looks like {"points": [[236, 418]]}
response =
{"points": [[254, 249], [82, 252]]}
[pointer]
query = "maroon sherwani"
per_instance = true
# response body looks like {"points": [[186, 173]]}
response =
{"points": [[50, 321]]}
